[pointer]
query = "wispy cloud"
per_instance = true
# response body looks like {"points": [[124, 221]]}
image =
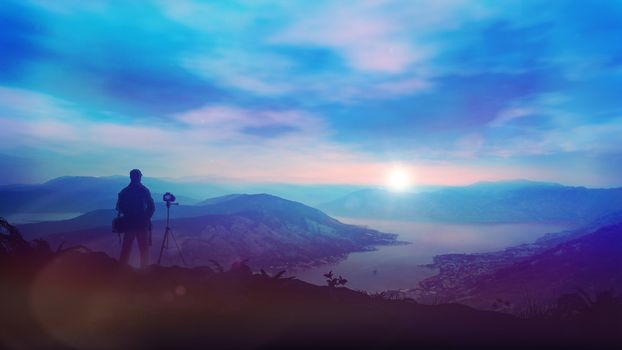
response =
{"points": [[231, 122], [507, 115]]}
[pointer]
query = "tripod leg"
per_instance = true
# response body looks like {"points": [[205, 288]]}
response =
{"points": [[179, 250], [164, 244]]}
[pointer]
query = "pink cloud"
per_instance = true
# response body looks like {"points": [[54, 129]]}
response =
{"points": [[368, 41], [233, 120]]}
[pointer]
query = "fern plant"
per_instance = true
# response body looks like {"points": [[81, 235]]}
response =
{"points": [[334, 281]]}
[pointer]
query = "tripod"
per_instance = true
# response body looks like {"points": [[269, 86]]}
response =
{"points": [[168, 233]]}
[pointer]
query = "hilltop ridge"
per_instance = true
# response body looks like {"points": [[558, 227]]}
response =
{"points": [[270, 231]]}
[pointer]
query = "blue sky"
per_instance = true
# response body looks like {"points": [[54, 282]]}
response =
{"points": [[313, 91]]}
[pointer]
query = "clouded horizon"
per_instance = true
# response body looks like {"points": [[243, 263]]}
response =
{"points": [[313, 92]]}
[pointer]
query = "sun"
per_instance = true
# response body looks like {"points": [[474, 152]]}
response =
{"points": [[399, 179]]}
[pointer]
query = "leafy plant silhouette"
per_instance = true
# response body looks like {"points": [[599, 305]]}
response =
{"points": [[536, 309], [334, 281], [12, 243]]}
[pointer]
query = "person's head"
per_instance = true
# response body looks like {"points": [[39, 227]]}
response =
{"points": [[135, 175]]}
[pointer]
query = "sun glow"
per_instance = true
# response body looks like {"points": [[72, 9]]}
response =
{"points": [[399, 179]]}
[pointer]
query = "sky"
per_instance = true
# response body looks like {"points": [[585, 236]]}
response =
{"points": [[324, 92]]}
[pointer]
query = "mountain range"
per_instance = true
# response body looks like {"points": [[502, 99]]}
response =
{"points": [[81, 194], [77, 194], [485, 202], [269, 231]]}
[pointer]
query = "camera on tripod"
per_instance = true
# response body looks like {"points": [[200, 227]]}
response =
{"points": [[169, 198]]}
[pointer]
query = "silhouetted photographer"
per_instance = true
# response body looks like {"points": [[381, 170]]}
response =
{"points": [[135, 208]]}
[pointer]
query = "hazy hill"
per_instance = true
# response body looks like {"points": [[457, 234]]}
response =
{"points": [[587, 258], [591, 262], [507, 201], [552, 239], [77, 194], [228, 204], [81, 194], [268, 230], [100, 218]]}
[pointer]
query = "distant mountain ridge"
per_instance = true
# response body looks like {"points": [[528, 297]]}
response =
{"points": [[483, 202], [81, 194], [73, 194], [228, 204], [268, 230], [507, 201]]}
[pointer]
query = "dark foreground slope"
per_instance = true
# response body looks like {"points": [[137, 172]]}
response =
{"points": [[74, 299]]}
